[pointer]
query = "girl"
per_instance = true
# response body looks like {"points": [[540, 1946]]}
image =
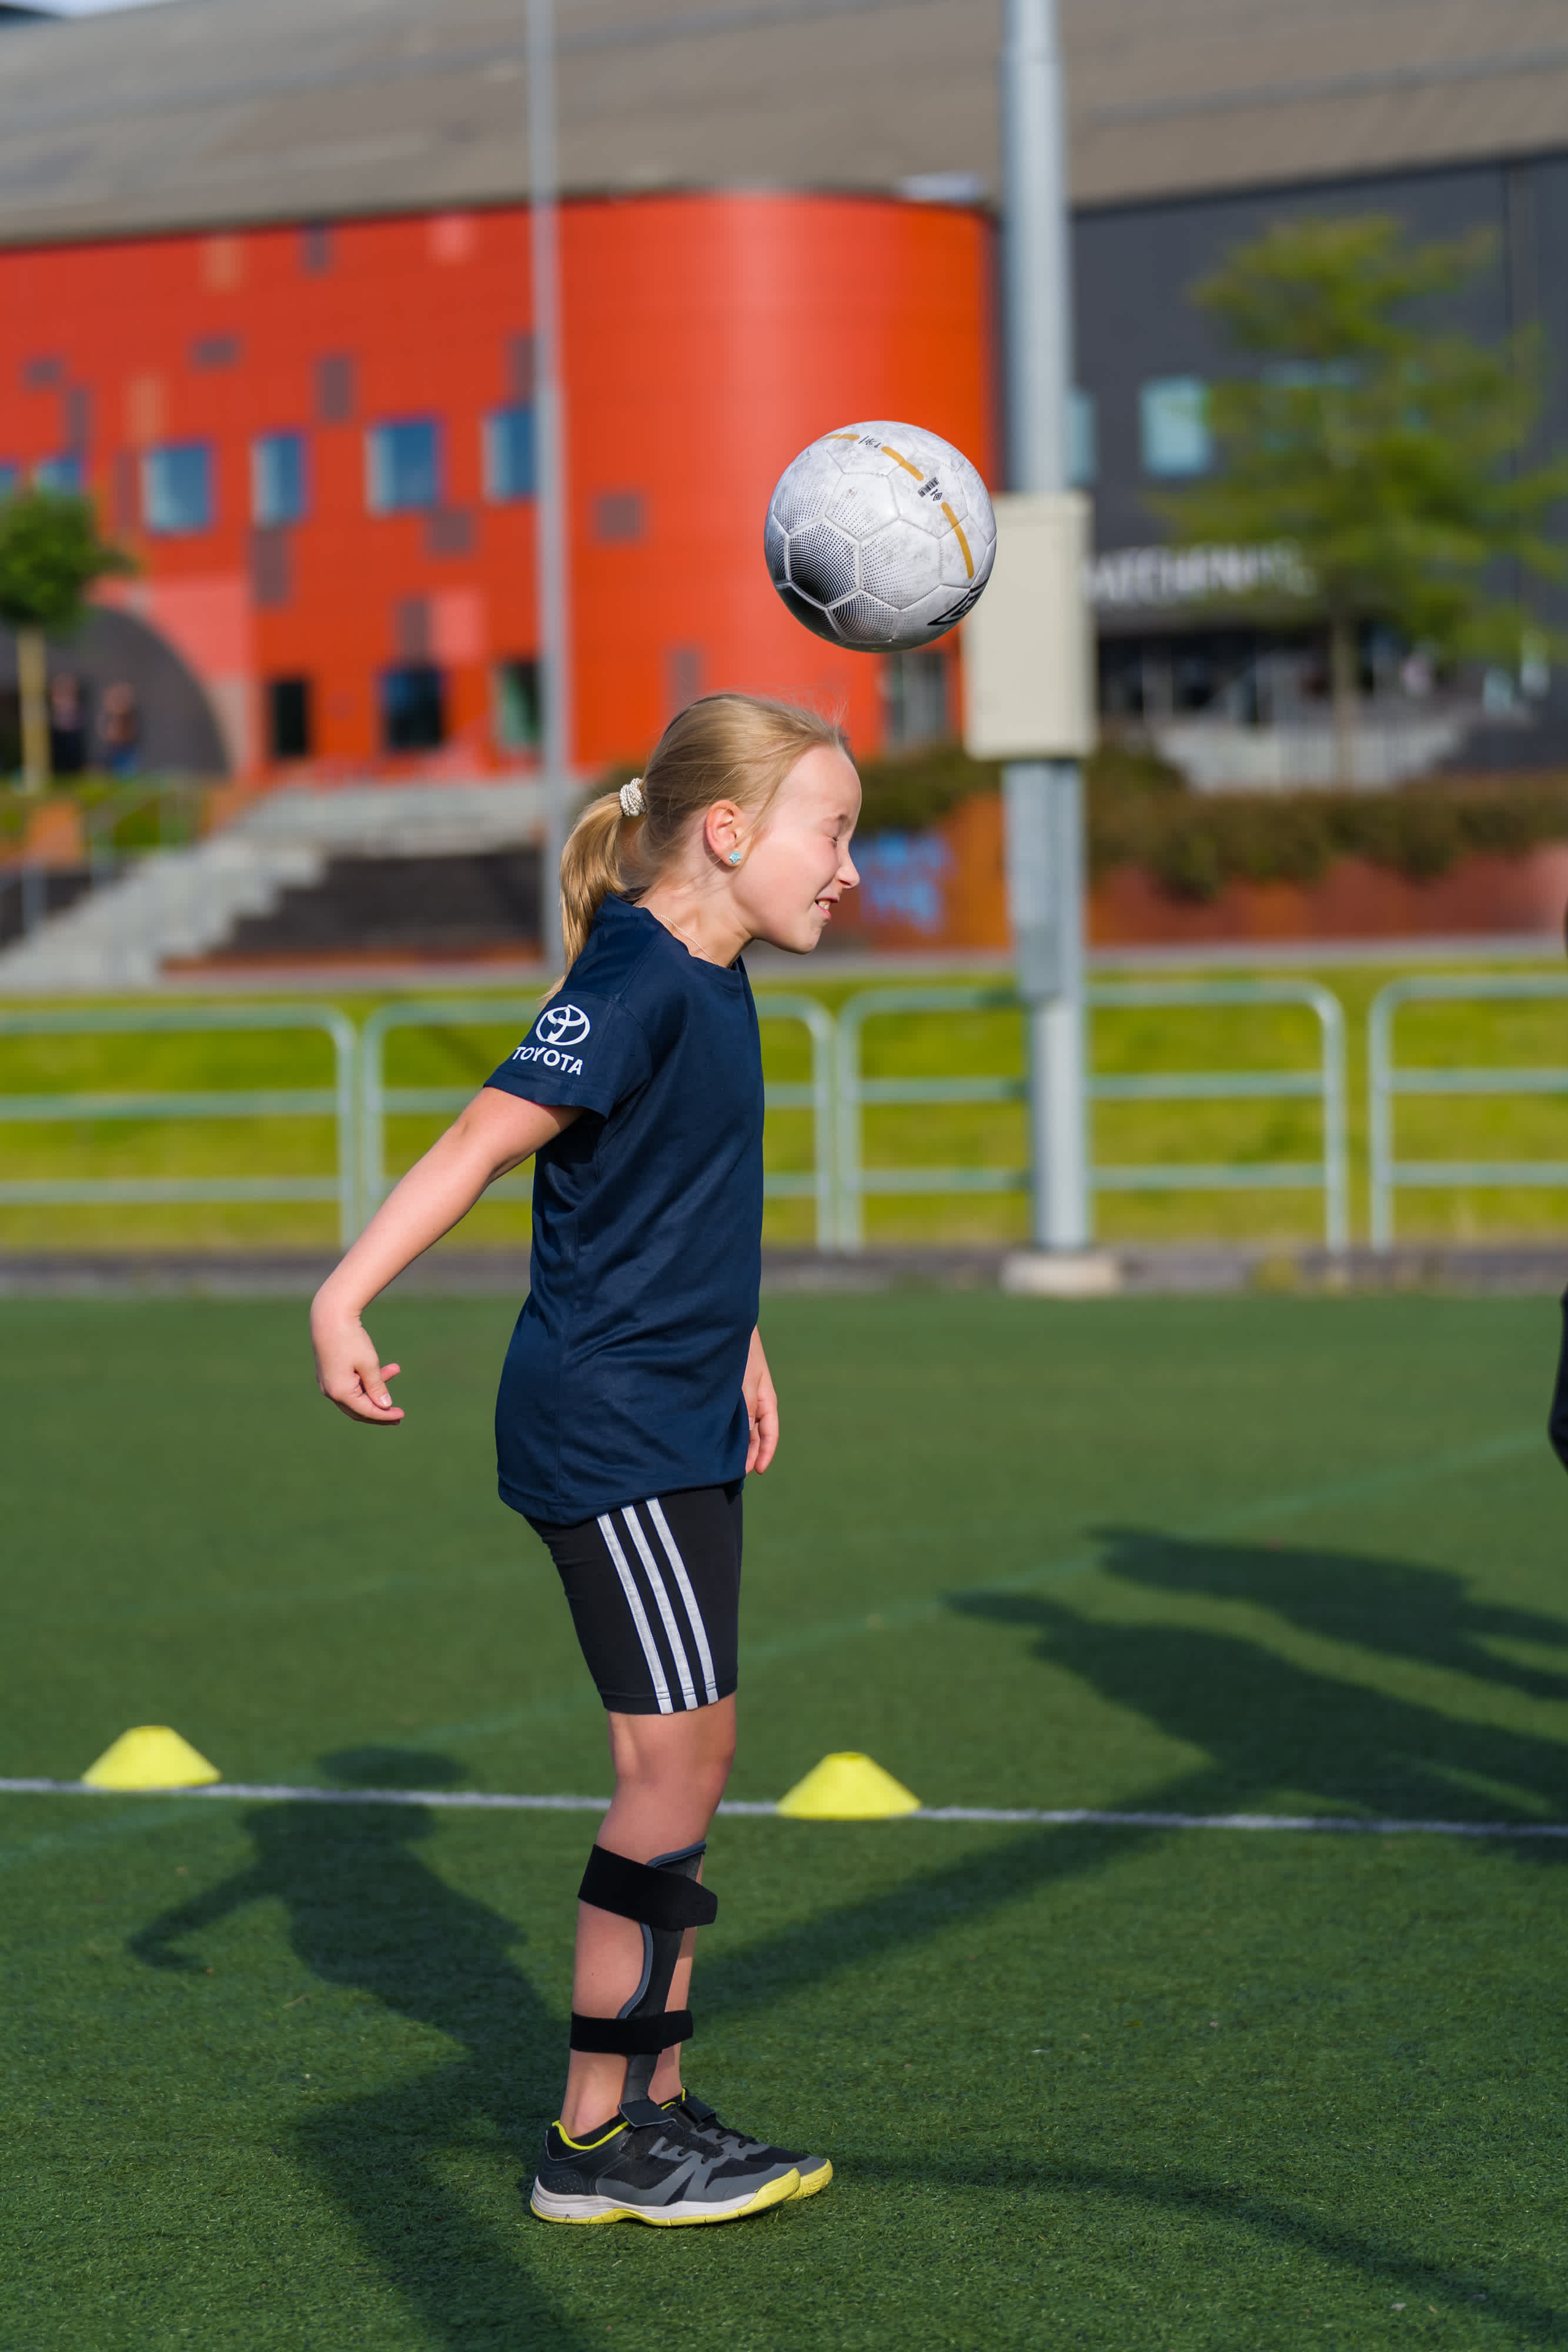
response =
{"points": [[635, 1396]]}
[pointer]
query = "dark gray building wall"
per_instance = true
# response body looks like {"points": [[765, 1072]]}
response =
{"points": [[1137, 267]]}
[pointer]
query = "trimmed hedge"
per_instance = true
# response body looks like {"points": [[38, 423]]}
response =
{"points": [[129, 812], [1141, 812]]}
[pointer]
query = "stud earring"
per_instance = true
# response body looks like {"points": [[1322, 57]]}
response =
{"points": [[734, 857]]}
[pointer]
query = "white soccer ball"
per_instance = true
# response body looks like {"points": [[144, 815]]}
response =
{"points": [[880, 536]]}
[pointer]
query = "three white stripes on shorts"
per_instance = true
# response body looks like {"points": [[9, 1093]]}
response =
{"points": [[656, 1585]]}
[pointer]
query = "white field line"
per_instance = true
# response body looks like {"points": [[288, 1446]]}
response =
{"points": [[1071, 1817]]}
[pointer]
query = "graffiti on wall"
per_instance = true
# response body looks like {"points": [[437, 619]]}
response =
{"points": [[904, 880]]}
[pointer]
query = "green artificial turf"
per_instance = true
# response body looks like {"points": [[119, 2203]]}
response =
{"points": [[275, 2072]]}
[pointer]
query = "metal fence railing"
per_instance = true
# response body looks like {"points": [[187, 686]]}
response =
{"points": [[857, 1094], [1325, 1083], [816, 1095], [335, 1102], [1388, 1081], [837, 1095], [379, 1102]]}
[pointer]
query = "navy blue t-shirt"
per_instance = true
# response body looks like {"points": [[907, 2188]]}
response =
{"points": [[624, 1377]]}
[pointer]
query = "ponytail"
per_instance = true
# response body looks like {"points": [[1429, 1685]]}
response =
{"points": [[589, 870], [734, 747]]}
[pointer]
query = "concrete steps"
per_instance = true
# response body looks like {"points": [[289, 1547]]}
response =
{"points": [[185, 902], [174, 902]]}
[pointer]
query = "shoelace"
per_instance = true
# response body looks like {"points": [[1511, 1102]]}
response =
{"points": [[742, 2146]]}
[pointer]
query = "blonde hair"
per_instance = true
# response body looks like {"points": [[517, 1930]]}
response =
{"points": [[727, 747]]}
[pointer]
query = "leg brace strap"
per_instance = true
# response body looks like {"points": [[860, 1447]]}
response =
{"points": [[632, 2037], [663, 1899], [654, 1894]]}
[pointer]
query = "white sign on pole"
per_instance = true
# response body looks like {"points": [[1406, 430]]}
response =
{"points": [[1028, 648]]}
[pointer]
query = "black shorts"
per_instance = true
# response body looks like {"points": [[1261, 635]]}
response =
{"points": [[655, 1589]]}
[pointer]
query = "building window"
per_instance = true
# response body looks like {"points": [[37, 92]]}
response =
{"points": [[271, 571], [58, 473], [1173, 418], [413, 708], [683, 676], [449, 531], [43, 373], [521, 356], [1310, 375], [123, 479], [1083, 441], [221, 263], [276, 479], [316, 248], [288, 716], [214, 352], [410, 628], [336, 393], [509, 455], [515, 688], [177, 487], [943, 188], [617, 518], [914, 698], [450, 236], [402, 466]]}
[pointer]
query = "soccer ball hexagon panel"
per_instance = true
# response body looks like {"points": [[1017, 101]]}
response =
{"points": [[880, 536]]}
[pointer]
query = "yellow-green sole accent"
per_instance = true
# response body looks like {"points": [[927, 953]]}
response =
{"points": [[777, 2192], [810, 2182]]}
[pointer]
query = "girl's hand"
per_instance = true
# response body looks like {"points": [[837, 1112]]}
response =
{"points": [[497, 1131], [350, 1372], [761, 1408]]}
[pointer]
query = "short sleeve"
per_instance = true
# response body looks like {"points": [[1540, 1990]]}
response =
{"points": [[586, 1052]]}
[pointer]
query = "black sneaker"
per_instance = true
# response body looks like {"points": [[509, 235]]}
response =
{"points": [[665, 2173], [815, 2171]]}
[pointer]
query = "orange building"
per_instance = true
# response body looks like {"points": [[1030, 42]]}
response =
{"points": [[316, 440]]}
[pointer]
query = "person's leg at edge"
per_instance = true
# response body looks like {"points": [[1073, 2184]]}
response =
{"points": [[670, 1773]]}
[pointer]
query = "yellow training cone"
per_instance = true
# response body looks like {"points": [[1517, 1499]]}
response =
{"points": [[150, 1756], [848, 1788]]}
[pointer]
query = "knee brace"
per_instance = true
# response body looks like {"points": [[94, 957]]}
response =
{"points": [[663, 1899]]}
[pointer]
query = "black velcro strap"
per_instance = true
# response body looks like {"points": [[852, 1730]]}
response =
{"points": [[654, 1899], [632, 2037]]}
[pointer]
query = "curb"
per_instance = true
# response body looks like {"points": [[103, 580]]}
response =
{"points": [[1534, 1270]]}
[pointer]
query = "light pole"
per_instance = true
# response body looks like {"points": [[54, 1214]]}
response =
{"points": [[1043, 798], [552, 576]]}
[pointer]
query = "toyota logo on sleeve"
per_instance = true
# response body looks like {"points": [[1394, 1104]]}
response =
{"points": [[558, 1027], [562, 1024]]}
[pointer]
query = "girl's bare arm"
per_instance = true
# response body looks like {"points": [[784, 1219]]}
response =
{"points": [[496, 1132]]}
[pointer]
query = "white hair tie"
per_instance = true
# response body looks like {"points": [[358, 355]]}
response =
{"points": [[632, 801]]}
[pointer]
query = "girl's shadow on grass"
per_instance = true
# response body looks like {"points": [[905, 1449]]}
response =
{"points": [[1313, 1699], [366, 1914]]}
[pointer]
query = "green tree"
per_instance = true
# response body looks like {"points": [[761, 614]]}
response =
{"points": [[50, 555], [1385, 451]]}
